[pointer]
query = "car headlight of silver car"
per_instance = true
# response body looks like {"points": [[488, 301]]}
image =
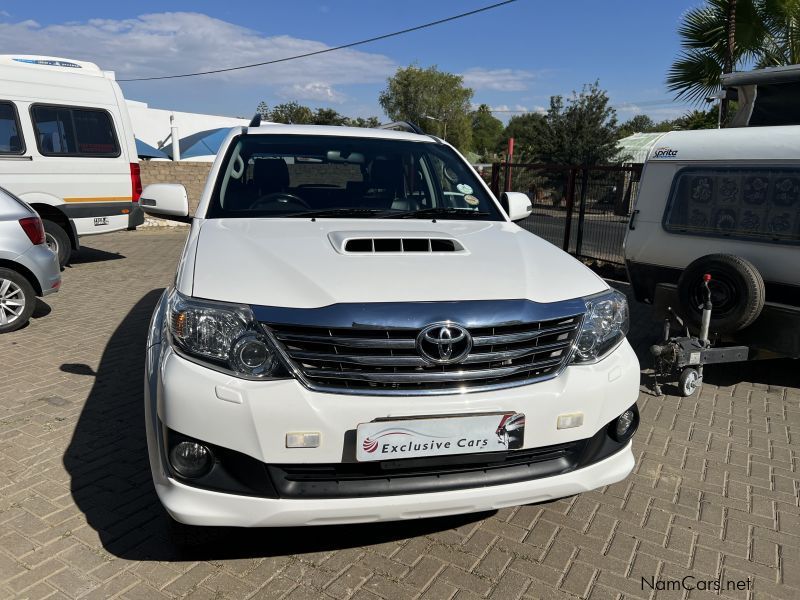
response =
{"points": [[223, 336], [604, 326]]}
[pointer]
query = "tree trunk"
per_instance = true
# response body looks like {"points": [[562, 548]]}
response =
{"points": [[729, 55]]}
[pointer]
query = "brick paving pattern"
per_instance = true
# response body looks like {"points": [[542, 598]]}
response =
{"points": [[714, 494]]}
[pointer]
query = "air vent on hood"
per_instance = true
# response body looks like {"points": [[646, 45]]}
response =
{"points": [[383, 244]]}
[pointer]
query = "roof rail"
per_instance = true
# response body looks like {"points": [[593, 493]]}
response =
{"points": [[403, 126], [255, 121]]}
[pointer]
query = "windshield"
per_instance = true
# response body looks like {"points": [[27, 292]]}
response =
{"points": [[343, 177]]}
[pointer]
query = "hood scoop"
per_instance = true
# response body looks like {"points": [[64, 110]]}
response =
{"points": [[394, 242]]}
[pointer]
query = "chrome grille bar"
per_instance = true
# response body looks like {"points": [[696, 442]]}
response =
{"points": [[422, 377], [344, 349]]}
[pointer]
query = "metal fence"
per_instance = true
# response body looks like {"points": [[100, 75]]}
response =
{"points": [[583, 210]]}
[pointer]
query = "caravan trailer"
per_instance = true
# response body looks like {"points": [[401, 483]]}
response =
{"points": [[67, 147], [725, 203]]}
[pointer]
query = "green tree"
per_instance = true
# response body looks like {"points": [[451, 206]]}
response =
{"points": [[292, 112], [637, 124], [328, 116], [782, 21], [364, 122], [435, 100], [580, 131], [725, 35], [697, 119], [526, 130], [487, 130], [296, 113]]}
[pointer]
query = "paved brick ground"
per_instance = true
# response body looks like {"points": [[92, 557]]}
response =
{"points": [[714, 494]]}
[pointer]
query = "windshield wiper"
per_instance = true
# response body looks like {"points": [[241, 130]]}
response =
{"points": [[335, 212], [437, 211]]}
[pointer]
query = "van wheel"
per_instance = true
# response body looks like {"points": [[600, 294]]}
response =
{"points": [[17, 300], [58, 241], [737, 292]]}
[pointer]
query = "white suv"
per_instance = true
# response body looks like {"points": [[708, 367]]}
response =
{"points": [[359, 332]]}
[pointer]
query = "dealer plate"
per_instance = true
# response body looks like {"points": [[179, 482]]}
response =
{"points": [[439, 436]]}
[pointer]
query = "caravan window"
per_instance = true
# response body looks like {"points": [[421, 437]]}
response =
{"points": [[750, 203], [73, 131], [10, 135]]}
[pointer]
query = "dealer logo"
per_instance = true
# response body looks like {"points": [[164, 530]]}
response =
{"points": [[444, 343]]}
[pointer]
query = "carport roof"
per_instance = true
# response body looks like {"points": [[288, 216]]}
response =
{"points": [[635, 148]]}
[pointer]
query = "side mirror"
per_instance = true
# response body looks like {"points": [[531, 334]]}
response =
{"points": [[166, 200], [517, 205]]}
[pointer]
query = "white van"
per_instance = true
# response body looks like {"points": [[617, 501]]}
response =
{"points": [[67, 147], [724, 202]]}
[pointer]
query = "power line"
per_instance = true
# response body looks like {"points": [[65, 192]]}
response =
{"points": [[326, 50]]}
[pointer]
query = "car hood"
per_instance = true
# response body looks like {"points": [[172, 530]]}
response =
{"points": [[301, 263]]}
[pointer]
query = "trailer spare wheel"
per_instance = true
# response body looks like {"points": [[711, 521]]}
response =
{"points": [[737, 292]]}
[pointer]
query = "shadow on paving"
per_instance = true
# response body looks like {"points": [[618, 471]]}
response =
{"points": [[111, 484], [92, 255]]}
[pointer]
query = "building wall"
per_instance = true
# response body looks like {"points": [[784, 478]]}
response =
{"points": [[152, 125], [192, 175]]}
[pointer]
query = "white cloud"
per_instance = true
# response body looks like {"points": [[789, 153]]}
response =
{"points": [[315, 90], [628, 110], [180, 42], [517, 109], [501, 80]]}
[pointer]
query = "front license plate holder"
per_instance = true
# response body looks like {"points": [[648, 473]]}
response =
{"points": [[432, 436]]}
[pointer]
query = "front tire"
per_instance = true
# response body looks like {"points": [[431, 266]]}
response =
{"points": [[58, 241], [17, 300]]}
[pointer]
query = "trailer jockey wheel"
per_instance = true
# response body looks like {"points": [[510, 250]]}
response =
{"points": [[688, 382]]}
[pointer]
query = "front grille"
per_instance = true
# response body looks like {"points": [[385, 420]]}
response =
{"points": [[381, 360]]}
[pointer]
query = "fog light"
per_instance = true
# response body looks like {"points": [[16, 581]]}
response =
{"points": [[624, 426], [191, 459], [624, 422]]}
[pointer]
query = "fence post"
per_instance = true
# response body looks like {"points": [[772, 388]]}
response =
{"points": [[570, 201], [508, 164], [494, 184], [582, 211], [507, 177]]}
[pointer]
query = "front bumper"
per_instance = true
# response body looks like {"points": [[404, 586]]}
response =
{"points": [[196, 506], [253, 418]]}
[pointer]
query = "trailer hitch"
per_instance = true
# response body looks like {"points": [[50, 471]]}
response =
{"points": [[689, 354]]}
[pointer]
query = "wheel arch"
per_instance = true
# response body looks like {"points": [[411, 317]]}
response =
{"points": [[25, 272], [53, 213]]}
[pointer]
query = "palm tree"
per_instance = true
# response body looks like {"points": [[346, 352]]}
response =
{"points": [[782, 21], [716, 38]]}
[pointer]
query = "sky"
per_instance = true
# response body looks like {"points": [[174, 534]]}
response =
{"points": [[514, 57]]}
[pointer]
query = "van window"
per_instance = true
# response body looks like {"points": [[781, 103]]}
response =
{"points": [[10, 134], [750, 203], [73, 131]]}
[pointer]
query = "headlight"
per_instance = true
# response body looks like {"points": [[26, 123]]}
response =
{"points": [[224, 336], [604, 326]]}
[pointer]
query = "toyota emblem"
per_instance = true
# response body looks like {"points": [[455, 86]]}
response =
{"points": [[444, 343]]}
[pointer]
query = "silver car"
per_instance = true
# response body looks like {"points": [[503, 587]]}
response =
{"points": [[27, 267]]}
